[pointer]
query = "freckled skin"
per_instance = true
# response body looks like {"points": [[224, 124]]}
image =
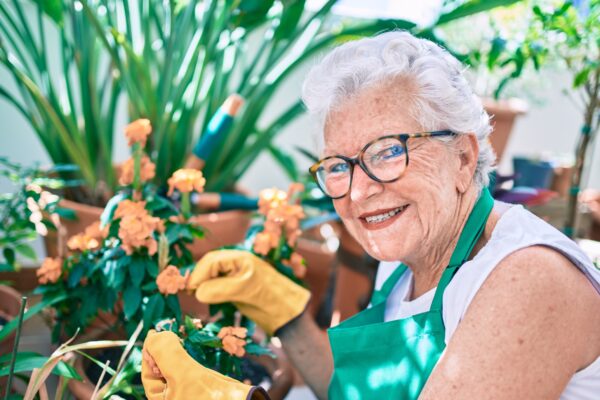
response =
{"points": [[509, 345], [425, 234]]}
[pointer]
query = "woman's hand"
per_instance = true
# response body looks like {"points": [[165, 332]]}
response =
{"points": [[254, 286], [168, 372]]}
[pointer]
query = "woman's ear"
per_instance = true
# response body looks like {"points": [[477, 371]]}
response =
{"points": [[468, 152]]}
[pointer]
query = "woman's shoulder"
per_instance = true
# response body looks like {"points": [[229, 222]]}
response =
{"points": [[525, 255], [532, 324]]}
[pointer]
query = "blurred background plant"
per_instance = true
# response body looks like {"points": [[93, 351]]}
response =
{"points": [[27, 212], [171, 62], [571, 33]]}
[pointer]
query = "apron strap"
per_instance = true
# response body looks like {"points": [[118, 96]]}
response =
{"points": [[469, 236], [382, 294]]}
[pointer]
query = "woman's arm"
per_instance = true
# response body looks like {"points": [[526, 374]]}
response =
{"points": [[531, 326], [308, 348]]}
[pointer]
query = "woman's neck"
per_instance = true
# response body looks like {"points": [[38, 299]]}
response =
{"points": [[429, 267]]}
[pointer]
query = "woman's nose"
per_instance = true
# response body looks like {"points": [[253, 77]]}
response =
{"points": [[363, 186]]}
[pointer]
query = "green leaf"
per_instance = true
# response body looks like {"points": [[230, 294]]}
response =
{"points": [[173, 304], [150, 287], [27, 361], [152, 268], [76, 274], [250, 13], [9, 255], [26, 251], [137, 270], [472, 7], [154, 310], [253, 348], [33, 310], [285, 161], [498, 46], [132, 298], [52, 8], [109, 210], [581, 77], [290, 16], [203, 339], [66, 213], [6, 267]]}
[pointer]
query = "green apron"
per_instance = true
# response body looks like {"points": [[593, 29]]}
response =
{"points": [[381, 360]]}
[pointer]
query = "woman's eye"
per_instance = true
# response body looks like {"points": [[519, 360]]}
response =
{"points": [[338, 168], [390, 152]]}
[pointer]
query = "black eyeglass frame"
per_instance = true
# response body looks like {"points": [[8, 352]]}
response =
{"points": [[358, 160]]}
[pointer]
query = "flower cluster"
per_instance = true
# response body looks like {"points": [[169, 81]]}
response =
{"points": [[90, 239], [137, 227], [50, 270], [147, 170], [128, 264], [281, 226], [233, 340], [186, 181], [138, 132], [170, 280]]}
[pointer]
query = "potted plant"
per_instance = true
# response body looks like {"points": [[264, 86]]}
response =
{"points": [[106, 275], [571, 37], [192, 57], [25, 214], [224, 341]]}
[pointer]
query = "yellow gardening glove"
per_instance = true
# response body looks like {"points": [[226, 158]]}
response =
{"points": [[251, 284], [168, 372]]}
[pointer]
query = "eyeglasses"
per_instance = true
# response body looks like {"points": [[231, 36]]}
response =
{"points": [[384, 160]]}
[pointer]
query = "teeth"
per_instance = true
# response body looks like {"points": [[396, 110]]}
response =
{"points": [[382, 217]]}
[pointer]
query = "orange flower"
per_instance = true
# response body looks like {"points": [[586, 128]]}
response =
{"points": [[296, 263], [233, 340], [129, 208], [147, 171], [90, 239], [136, 229], [186, 180], [295, 187], [170, 281], [50, 270], [138, 131], [264, 242], [269, 199]]}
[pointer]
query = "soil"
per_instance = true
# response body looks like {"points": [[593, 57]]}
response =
{"points": [[255, 372]]}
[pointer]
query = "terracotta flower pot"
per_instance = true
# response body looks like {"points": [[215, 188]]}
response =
{"points": [[504, 114], [222, 228], [10, 305], [354, 280], [319, 265], [86, 215]]}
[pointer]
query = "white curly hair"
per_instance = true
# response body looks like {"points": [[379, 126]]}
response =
{"points": [[441, 97]]}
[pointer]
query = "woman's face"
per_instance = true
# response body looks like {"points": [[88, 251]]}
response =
{"points": [[414, 211]]}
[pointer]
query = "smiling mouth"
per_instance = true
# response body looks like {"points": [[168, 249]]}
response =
{"points": [[383, 217]]}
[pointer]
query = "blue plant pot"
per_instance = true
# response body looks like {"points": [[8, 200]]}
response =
{"points": [[533, 173]]}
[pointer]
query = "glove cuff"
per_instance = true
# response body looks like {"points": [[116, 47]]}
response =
{"points": [[257, 393]]}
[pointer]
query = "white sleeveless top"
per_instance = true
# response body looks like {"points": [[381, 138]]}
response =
{"points": [[517, 228]]}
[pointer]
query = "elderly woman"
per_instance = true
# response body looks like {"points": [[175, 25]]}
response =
{"points": [[488, 300]]}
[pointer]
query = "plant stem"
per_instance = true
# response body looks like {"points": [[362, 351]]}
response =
{"points": [[137, 161], [185, 205], [13, 358], [580, 154]]}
